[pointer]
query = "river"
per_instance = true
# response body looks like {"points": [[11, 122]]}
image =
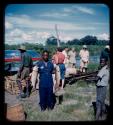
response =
{"points": [[92, 59]]}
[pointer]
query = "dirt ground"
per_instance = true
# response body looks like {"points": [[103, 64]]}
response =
{"points": [[76, 106]]}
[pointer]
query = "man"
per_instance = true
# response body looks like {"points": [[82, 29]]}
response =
{"points": [[60, 73], [45, 70], [84, 55], [106, 52], [101, 86], [24, 71], [60, 57], [72, 55]]}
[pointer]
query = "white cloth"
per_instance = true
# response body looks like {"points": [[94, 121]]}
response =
{"points": [[66, 56], [104, 74], [72, 56], [34, 76], [84, 54]]}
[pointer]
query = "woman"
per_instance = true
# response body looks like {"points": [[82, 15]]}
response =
{"points": [[45, 69], [72, 55]]}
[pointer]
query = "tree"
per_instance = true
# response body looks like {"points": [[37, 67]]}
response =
{"points": [[73, 42], [51, 41], [89, 40]]}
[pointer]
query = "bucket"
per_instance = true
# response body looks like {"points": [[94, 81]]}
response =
{"points": [[15, 113]]}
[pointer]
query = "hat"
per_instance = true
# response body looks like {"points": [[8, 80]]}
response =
{"points": [[84, 46], [22, 48], [107, 47]]}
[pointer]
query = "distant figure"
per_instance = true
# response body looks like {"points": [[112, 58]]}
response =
{"points": [[45, 70], [72, 54], [84, 55], [106, 52], [24, 71], [68, 62], [60, 63], [102, 83], [65, 52], [60, 74]]}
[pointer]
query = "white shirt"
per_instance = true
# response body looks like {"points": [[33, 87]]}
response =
{"points": [[65, 53], [104, 74], [72, 56], [84, 54]]}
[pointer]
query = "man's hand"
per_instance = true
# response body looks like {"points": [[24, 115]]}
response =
{"points": [[97, 78], [56, 86]]}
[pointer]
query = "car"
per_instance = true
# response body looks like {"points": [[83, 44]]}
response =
{"points": [[12, 59]]}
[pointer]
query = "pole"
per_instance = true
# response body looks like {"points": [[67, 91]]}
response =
{"points": [[58, 41]]}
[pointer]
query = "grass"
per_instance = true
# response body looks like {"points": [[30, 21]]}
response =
{"points": [[76, 104], [93, 67], [66, 111]]}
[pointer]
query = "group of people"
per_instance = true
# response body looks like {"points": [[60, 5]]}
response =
{"points": [[61, 60], [70, 57]]}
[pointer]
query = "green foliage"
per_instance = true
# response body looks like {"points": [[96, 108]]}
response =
{"points": [[88, 40], [93, 49], [93, 67]]}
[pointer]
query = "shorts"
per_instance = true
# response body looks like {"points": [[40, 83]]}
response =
{"points": [[24, 74], [62, 71], [83, 65]]}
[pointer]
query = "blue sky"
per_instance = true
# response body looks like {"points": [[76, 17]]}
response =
{"points": [[34, 23]]}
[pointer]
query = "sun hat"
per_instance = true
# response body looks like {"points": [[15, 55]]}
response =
{"points": [[84, 46], [22, 48], [107, 47]]}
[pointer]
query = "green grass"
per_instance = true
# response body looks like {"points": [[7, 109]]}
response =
{"points": [[93, 67], [75, 107], [68, 112]]}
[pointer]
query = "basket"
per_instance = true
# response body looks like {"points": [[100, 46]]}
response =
{"points": [[11, 86], [15, 113]]}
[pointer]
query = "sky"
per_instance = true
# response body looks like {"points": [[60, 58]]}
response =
{"points": [[34, 23]]}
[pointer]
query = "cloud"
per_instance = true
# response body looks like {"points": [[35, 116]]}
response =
{"points": [[68, 10], [8, 25], [16, 33], [33, 30], [65, 38], [43, 35], [27, 37], [85, 10], [23, 22], [54, 15], [103, 36], [18, 36]]}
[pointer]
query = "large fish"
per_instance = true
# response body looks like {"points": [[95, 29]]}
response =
{"points": [[56, 78], [35, 77]]}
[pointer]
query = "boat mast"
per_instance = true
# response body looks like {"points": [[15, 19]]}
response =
{"points": [[58, 40]]}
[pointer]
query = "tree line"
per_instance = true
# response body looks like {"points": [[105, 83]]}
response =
{"points": [[87, 40], [95, 46]]}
